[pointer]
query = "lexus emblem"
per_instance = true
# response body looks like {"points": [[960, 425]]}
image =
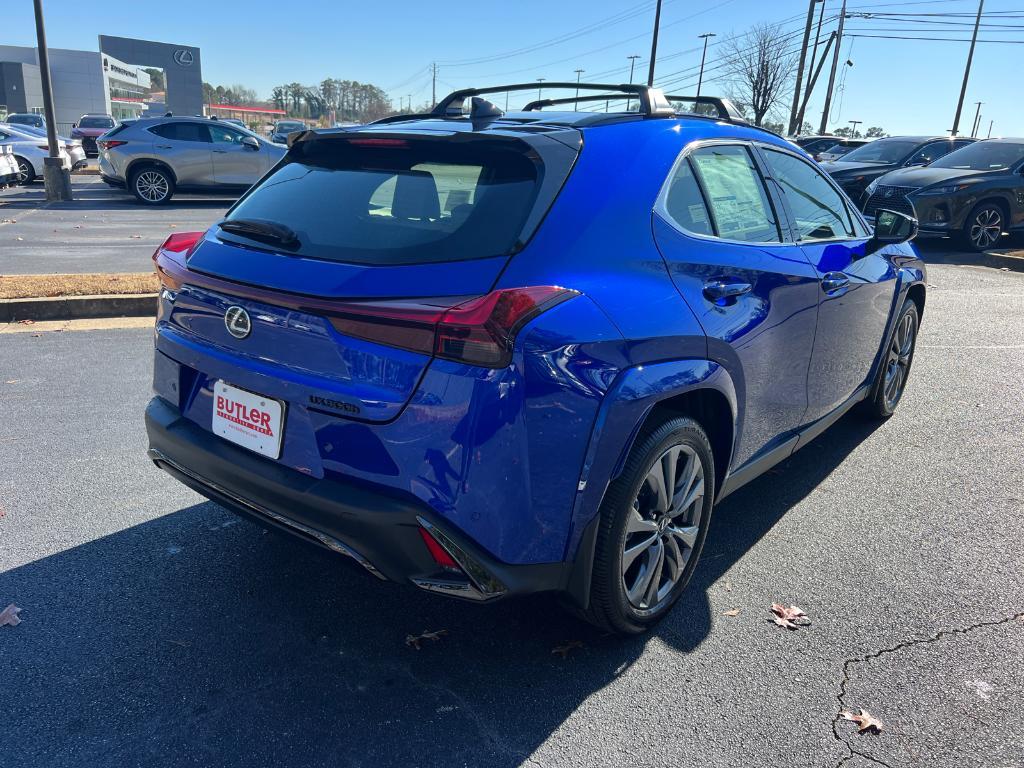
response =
{"points": [[183, 57], [237, 321], [889, 193]]}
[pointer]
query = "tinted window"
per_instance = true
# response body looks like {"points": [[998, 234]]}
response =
{"points": [[684, 202], [95, 122], [983, 156], [882, 151], [182, 131], [735, 193], [413, 203], [221, 135], [818, 145], [819, 210], [931, 152]]}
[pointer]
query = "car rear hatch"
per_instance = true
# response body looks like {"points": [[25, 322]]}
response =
{"points": [[350, 254]]}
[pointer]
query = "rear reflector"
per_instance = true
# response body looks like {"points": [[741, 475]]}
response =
{"points": [[179, 242], [439, 553], [479, 331], [110, 143]]}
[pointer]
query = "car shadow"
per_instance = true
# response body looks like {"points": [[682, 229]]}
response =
{"points": [[196, 638]]}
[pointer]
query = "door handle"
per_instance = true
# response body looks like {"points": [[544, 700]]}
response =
{"points": [[164, 146], [725, 288], [833, 281]]}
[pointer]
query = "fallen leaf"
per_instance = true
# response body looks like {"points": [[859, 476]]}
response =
{"points": [[19, 238], [414, 641], [26, 322], [563, 650], [12, 381], [788, 617], [733, 612], [9, 616], [136, 237], [728, 586], [865, 721]]}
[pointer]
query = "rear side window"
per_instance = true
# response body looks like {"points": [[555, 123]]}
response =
{"points": [[931, 152], [182, 131], [819, 210], [397, 201], [735, 194], [685, 203]]}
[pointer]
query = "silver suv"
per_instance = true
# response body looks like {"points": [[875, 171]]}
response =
{"points": [[154, 157]]}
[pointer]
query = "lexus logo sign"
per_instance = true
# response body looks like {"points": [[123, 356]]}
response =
{"points": [[183, 57], [237, 321]]}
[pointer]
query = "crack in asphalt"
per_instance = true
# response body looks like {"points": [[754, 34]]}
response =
{"points": [[896, 648]]}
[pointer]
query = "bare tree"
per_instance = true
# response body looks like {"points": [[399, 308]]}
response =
{"points": [[759, 66]]}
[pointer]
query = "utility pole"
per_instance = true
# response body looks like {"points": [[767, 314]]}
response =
{"points": [[578, 73], [632, 63], [990, 122], [813, 79], [854, 123], [703, 56], [56, 177], [654, 44], [977, 120], [799, 70], [540, 87], [433, 83], [967, 69], [835, 66]]}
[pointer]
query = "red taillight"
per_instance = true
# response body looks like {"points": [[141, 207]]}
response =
{"points": [[439, 553], [179, 242], [478, 331], [110, 143]]}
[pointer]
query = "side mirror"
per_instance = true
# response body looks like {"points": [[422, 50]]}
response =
{"points": [[250, 142], [891, 228]]}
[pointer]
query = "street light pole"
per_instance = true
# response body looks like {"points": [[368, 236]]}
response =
{"points": [[578, 73], [654, 44], [56, 177], [539, 87], [967, 69], [854, 123], [703, 56], [632, 63], [977, 120]]}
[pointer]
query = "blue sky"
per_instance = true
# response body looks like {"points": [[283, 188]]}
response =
{"points": [[906, 86]]}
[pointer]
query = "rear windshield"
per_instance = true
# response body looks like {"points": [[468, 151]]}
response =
{"points": [[393, 201], [883, 151]]}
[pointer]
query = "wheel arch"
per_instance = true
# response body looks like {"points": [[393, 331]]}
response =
{"points": [[148, 162], [916, 293]]}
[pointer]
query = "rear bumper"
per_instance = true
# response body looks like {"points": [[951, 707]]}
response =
{"points": [[379, 531]]}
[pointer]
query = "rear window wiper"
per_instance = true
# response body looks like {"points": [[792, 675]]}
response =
{"points": [[261, 230]]}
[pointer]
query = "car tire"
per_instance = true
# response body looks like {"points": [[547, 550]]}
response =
{"points": [[636, 548], [894, 370], [26, 173], [984, 227], [152, 185]]}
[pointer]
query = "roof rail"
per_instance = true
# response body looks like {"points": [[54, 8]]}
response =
{"points": [[725, 108], [652, 100], [541, 103]]}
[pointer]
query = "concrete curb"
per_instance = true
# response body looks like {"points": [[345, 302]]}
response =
{"points": [[1010, 259], [78, 307]]}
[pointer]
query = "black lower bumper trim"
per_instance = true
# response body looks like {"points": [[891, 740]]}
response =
{"points": [[379, 531]]}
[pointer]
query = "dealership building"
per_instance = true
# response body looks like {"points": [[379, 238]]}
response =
{"points": [[111, 81]]}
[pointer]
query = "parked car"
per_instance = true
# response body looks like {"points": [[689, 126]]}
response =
{"points": [[232, 121], [89, 128], [279, 135], [8, 166], [26, 118], [976, 193], [29, 152], [842, 147], [454, 349], [859, 167], [74, 147], [154, 158]]}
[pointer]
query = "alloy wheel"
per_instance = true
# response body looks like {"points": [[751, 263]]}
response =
{"points": [[25, 172], [901, 350], [152, 186], [986, 228], [663, 527]]}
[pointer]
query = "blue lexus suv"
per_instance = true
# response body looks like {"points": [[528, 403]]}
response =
{"points": [[491, 354]]}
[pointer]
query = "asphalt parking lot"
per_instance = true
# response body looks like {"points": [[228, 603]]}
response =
{"points": [[101, 230], [159, 630]]}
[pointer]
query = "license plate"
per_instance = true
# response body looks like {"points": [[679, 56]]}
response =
{"points": [[247, 419]]}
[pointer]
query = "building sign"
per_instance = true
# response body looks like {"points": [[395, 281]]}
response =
{"points": [[183, 57]]}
